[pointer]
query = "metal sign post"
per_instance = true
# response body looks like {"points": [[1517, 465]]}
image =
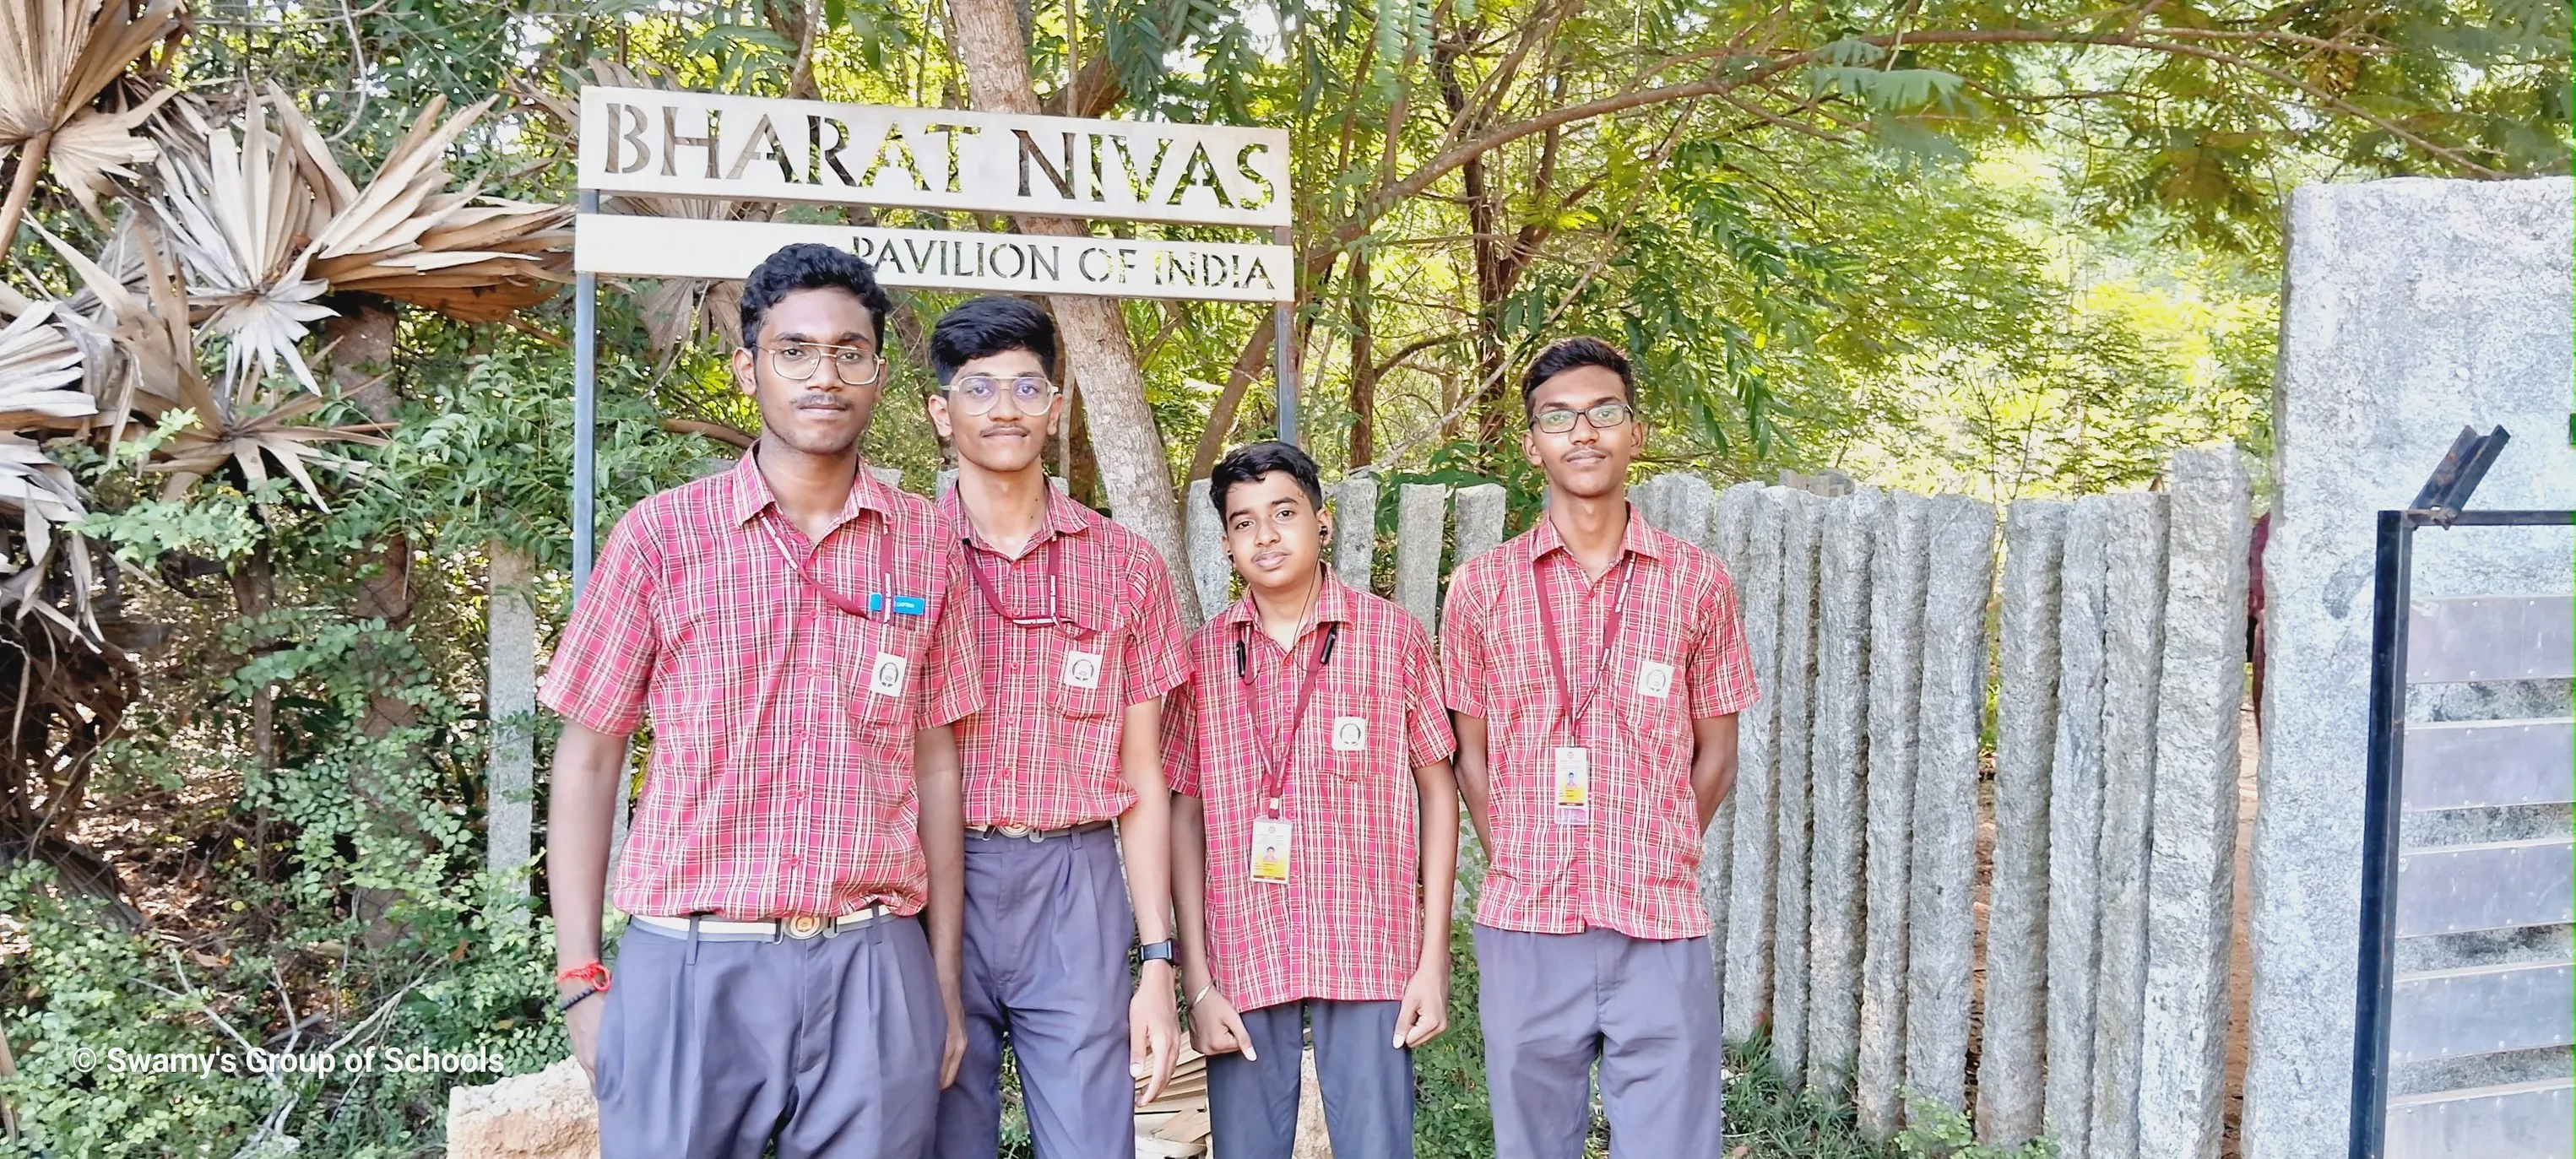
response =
{"points": [[585, 412]]}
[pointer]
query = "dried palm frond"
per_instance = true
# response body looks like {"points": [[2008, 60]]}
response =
{"points": [[224, 434], [237, 215], [150, 361], [43, 495], [96, 146], [55, 56], [41, 372]]}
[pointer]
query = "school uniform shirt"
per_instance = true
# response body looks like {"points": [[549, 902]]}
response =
{"points": [[781, 776], [1347, 924], [1044, 751], [1678, 655]]}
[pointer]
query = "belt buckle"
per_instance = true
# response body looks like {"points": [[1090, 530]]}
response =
{"points": [[804, 926], [1014, 830]]}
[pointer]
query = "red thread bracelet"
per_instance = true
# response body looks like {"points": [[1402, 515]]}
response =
{"points": [[590, 973]]}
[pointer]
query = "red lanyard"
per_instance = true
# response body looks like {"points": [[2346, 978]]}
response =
{"points": [[1609, 639], [993, 598], [1275, 750], [859, 608]]}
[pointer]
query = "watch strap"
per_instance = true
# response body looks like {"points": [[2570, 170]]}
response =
{"points": [[1161, 951]]}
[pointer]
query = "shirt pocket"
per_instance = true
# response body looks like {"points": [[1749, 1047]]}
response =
{"points": [[1084, 677]]}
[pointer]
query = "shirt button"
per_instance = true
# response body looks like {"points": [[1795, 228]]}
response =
{"points": [[791, 861]]}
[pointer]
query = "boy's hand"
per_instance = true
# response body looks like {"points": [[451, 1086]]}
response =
{"points": [[581, 1023], [1425, 1013], [952, 1053], [1153, 1031], [1216, 1027]]}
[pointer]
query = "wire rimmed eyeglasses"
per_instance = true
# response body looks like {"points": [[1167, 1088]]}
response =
{"points": [[978, 394], [797, 362], [1602, 418]]}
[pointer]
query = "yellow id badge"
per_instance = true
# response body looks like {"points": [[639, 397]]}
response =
{"points": [[1573, 786], [1270, 844]]}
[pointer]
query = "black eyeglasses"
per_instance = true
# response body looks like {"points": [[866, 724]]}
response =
{"points": [[797, 361], [979, 393], [1602, 418]]}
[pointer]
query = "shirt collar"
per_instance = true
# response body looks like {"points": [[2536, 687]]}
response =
{"points": [[1063, 517], [750, 494], [1335, 603], [1642, 538]]}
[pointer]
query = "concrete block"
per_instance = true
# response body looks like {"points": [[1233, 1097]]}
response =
{"points": [[1941, 929], [2133, 654], [1895, 687], [1747, 998], [1838, 758], [1211, 570], [2191, 869], [510, 707], [1421, 524], [2009, 1061], [1732, 529], [1355, 530], [1792, 691], [2412, 307], [2075, 829], [1480, 523]]}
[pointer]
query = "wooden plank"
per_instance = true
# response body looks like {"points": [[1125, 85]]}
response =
{"points": [[2456, 888], [2530, 1120], [2490, 638], [941, 259], [2481, 764]]}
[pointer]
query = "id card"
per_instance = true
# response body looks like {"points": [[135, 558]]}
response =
{"points": [[885, 675], [1655, 680], [1081, 670], [1270, 842], [1573, 786], [1350, 734]]}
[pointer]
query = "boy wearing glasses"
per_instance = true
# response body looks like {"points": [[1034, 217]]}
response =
{"points": [[1078, 636], [1594, 666], [1317, 831], [796, 631]]}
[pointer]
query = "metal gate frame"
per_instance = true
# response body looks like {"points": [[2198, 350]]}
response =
{"points": [[2442, 503]]}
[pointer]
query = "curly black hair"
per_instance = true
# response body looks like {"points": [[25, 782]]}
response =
{"points": [[808, 266]]}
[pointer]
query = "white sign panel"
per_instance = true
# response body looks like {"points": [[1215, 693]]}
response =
{"points": [[759, 149], [928, 259]]}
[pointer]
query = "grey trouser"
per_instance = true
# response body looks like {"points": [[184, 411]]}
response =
{"points": [[716, 1048], [1368, 1083], [1048, 927], [1552, 1003]]}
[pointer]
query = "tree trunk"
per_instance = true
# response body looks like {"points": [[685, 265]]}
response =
{"points": [[1135, 466], [1363, 367]]}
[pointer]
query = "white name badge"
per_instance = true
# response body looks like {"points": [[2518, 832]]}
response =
{"points": [[1350, 734], [1270, 848], [1655, 680], [885, 675], [1082, 670], [1573, 786]]}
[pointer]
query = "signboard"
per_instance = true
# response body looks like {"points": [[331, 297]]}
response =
{"points": [[653, 141], [928, 259]]}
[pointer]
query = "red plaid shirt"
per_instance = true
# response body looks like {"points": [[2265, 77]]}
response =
{"points": [[1634, 868], [780, 782], [1347, 925], [1044, 752]]}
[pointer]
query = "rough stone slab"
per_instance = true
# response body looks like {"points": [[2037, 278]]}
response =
{"points": [[2075, 829], [890, 476], [1647, 496], [546, 1115], [1421, 518], [1747, 1002], [1480, 524], [1689, 503], [1793, 692], [2412, 307], [1941, 929], [1733, 526], [2191, 870], [1838, 755], [510, 705], [1211, 571], [1355, 530], [2133, 652], [1895, 686], [2009, 1062]]}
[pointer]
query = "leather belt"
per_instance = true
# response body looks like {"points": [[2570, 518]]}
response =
{"points": [[1024, 833], [799, 926]]}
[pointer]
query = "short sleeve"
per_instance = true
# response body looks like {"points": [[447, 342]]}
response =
{"points": [[1426, 720], [955, 690], [1720, 666], [603, 666], [1157, 649], [1466, 679], [1181, 739]]}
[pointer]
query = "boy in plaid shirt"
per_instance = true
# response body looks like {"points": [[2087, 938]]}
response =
{"points": [[1316, 831], [1595, 666]]}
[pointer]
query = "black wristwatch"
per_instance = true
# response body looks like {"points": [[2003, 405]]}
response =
{"points": [[1156, 952]]}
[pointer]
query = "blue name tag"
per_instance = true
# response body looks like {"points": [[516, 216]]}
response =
{"points": [[911, 606]]}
